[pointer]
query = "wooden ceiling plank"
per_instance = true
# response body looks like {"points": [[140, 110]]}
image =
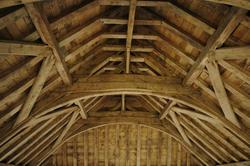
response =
{"points": [[239, 3], [221, 93], [169, 151], [224, 30], [149, 147], [179, 127], [23, 48], [159, 146], [36, 89], [130, 29], [9, 3], [12, 17], [106, 146], [42, 25], [174, 29], [156, 65], [138, 146], [83, 112]]}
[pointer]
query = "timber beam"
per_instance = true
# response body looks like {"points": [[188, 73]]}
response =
{"points": [[9, 3], [224, 30]]}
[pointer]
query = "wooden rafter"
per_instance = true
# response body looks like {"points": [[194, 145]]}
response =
{"points": [[232, 53], [8, 3], [42, 25], [23, 48], [36, 89], [66, 129], [239, 3], [220, 92], [179, 127], [224, 30]]}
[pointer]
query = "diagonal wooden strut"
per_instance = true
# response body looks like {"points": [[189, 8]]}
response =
{"points": [[224, 30], [42, 25]]}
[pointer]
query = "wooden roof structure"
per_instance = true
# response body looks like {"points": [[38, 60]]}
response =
{"points": [[124, 82]]}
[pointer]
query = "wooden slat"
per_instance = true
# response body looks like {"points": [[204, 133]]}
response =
{"points": [[224, 30], [130, 28], [8, 3], [138, 146], [239, 3], [221, 93], [106, 147], [169, 151], [42, 25], [85, 148], [173, 28], [36, 89], [148, 147], [23, 48]]}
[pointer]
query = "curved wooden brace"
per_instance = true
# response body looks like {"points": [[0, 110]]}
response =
{"points": [[163, 87], [132, 118]]}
